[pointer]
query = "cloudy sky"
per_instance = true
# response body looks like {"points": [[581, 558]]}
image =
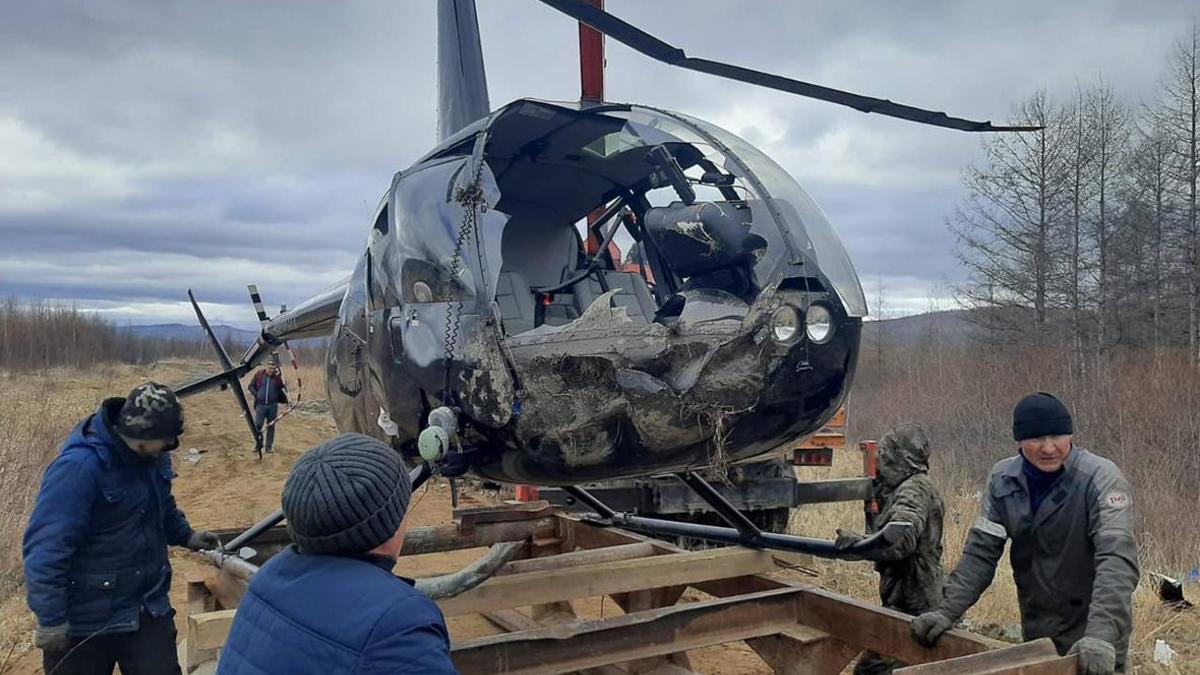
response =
{"points": [[151, 147]]}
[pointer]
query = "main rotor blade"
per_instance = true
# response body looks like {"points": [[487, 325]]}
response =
{"points": [[655, 48]]}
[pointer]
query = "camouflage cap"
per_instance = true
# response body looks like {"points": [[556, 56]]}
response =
{"points": [[151, 412]]}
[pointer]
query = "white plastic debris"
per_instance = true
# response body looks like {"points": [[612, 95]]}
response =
{"points": [[385, 422], [1163, 654], [194, 459]]}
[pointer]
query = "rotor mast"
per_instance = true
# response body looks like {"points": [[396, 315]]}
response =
{"points": [[591, 61]]}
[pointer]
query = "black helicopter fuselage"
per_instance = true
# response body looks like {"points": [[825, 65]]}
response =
{"points": [[731, 330]]}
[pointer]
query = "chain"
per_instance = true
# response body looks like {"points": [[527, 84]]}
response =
{"points": [[470, 196]]}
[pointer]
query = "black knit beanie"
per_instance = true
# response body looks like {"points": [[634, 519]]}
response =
{"points": [[347, 495], [1040, 415]]}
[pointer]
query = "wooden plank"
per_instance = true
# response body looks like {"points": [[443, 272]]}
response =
{"points": [[199, 601], [1038, 656], [859, 624], [577, 558], [653, 598], [589, 644], [468, 518], [441, 538], [608, 578], [882, 630], [210, 629], [809, 653], [513, 621]]}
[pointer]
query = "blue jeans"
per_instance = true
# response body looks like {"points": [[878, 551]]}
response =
{"points": [[264, 413]]}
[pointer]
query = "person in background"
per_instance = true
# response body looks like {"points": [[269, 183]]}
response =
{"points": [[1069, 514], [330, 602], [910, 571], [269, 390], [97, 575]]}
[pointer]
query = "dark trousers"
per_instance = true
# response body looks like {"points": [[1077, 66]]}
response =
{"points": [[264, 413], [150, 650]]}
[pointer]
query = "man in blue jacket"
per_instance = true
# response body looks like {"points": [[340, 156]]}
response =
{"points": [[96, 569], [330, 603]]}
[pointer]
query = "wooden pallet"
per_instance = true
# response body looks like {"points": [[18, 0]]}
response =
{"points": [[795, 628]]}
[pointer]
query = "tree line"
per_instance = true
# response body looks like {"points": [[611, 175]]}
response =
{"points": [[41, 335], [1087, 230]]}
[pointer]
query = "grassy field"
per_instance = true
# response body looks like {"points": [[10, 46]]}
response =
{"points": [[230, 487]]}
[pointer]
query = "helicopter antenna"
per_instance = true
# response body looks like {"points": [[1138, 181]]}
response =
{"points": [[586, 12]]}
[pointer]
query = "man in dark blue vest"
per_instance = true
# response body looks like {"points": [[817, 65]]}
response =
{"points": [[97, 574], [268, 389]]}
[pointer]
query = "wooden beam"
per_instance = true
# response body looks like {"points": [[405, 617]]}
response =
{"points": [[577, 558], [1038, 657], [803, 651], [589, 644], [210, 629], [199, 601], [607, 578], [882, 630], [513, 621], [441, 538]]}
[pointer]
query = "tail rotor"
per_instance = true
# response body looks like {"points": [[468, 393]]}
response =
{"points": [[230, 375]]}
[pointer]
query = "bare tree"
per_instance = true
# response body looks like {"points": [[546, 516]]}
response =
{"points": [[1148, 168], [1107, 122], [1178, 115], [1009, 224]]}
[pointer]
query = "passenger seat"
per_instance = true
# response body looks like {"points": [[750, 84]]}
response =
{"points": [[515, 302], [632, 293]]}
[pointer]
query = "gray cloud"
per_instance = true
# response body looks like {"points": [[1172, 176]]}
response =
{"points": [[150, 147]]}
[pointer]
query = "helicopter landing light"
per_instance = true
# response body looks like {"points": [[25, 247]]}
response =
{"points": [[818, 324], [785, 325]]}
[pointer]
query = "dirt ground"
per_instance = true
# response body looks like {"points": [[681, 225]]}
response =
{"points": [[229, 486]]}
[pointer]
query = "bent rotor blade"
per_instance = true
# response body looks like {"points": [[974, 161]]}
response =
{"points": [[647, 44]]}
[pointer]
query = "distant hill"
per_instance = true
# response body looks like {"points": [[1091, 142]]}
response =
{"points": [[952, 328]]}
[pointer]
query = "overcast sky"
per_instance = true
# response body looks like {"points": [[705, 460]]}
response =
{"points": [[151, 147]]}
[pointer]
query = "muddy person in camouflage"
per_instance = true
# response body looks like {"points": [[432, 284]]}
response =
{"points": [[910, 572]]}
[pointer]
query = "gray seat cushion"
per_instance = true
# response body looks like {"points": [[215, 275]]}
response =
{"points": [[515, 302], [632, 293]]}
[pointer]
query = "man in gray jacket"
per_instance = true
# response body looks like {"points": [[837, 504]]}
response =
{"points": [[1069, 514]]}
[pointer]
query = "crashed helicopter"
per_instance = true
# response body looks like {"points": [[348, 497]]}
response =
{"points": [[489, 327]]}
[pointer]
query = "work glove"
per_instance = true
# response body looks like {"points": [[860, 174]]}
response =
{"points": [[1096, 657], [202, 540], [52, 639], [847, 538], [927, 629]]}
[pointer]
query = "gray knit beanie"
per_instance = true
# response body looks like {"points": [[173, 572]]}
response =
{"points": [[347, 495]]}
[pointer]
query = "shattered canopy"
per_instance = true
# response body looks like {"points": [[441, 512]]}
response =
{"points": [[638, 260]]}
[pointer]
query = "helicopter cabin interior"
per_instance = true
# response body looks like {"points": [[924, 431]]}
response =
{"points": [[579, 186]]}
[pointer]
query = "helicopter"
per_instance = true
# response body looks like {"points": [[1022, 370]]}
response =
{"points": [[492, 327]]}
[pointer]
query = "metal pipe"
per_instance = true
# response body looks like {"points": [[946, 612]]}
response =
{"points": [[252, 533], [416, 476], [721, 505], [591, 502], [450, 585], [231, 563], [822, 548]]}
